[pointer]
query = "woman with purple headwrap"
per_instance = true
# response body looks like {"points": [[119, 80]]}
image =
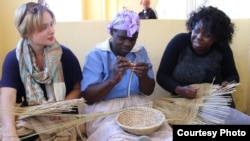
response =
{"points": [[118, 74]]}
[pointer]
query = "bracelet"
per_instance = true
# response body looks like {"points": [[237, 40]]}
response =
{"points": [[11, 136]]}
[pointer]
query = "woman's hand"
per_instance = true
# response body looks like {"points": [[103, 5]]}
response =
{"points": [[121, 65], [189, 92], [140, 69], [224, 84]]}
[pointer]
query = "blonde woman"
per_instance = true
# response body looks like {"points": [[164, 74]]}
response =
{"points": [[39, 70]]}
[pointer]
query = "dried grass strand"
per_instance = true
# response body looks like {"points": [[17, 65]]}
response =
{"points": [[210, 107]]}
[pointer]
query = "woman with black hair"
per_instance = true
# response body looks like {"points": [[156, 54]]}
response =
{"points": [[203, 55]]}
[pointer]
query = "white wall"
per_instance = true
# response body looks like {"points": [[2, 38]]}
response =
{"points": [[66, 10], [71, 10]]}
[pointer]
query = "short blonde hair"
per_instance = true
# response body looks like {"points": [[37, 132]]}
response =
{"points": [[29, 18]]}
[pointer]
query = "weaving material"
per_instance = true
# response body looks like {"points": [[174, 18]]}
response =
{"points": [[36, 120], [209, 107]]}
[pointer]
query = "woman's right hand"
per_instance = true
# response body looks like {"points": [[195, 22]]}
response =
{"points": [[189, 92], [121, 65]]}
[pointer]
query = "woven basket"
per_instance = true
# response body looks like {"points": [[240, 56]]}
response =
{"points": [[140, 120]]}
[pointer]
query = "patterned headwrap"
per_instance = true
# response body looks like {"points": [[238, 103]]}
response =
{"points": [[125, 20]]}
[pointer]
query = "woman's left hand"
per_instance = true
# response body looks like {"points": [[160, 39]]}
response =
{"points": [[224, 84], [140, 69]]}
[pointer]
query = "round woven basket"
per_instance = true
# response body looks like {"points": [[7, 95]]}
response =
{"points": [[140, 120]]}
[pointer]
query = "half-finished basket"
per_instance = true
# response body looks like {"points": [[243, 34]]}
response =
{"points": [[140, 120]]}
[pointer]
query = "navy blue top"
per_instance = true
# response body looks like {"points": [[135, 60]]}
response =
{"points": [[11, 74], [181, 65]]}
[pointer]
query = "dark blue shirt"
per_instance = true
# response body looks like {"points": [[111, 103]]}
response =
{"points": [[147, 14]]}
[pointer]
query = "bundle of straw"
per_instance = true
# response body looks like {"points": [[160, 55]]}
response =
{"points": [[73, 121], [56, 109], [48, 109], [209, 107]]}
